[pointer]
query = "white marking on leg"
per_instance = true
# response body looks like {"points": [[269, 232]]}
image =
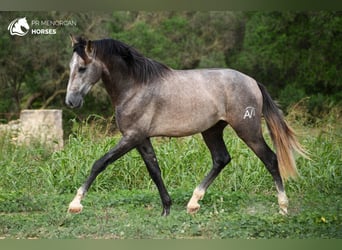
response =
{"points": [[75, 205], [283, 203], [193, 205]]}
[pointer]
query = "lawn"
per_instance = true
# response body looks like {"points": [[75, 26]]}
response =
{"points": [[136, 215]]}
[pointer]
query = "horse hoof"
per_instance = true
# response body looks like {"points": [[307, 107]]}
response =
{"points": [[193, 209], [75, 208]]}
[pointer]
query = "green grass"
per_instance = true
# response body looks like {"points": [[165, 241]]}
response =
{"points": [[36, 186], [135, 214]]}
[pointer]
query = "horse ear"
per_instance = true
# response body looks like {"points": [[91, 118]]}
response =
{"points": [[73, 40]]}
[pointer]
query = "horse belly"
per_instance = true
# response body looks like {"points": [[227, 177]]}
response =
{"points": [[180, 126]]}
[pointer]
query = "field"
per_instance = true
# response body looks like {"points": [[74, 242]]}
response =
{"points": [[36, 186]]}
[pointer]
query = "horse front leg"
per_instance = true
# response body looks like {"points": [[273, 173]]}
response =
{"points": [[150, 159], [125, 144]]}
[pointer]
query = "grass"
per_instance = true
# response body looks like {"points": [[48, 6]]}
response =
{"points": [[134, 214], [36, 186]]}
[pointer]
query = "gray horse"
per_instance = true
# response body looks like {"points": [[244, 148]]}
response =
{"points": [[151, 99]]}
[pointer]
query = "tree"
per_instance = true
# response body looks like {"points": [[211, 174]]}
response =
{"points": [[295, 54], [182, 40]]}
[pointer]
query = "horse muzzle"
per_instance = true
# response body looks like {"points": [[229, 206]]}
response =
{"points": [[74, 100]]}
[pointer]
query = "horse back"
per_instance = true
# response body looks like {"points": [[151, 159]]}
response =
{"points": [[191, 101]]}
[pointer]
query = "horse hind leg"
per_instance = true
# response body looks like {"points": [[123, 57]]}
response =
{"points": [[251, 134], [213, 138]]}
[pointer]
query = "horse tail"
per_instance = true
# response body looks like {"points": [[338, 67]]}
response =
{"points": [[282, 135]]}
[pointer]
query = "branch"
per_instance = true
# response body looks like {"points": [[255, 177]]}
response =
{"points": [[31, 99], [51, 98]]}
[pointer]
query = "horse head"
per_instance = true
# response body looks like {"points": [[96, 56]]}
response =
{"points": [[85, 71]]}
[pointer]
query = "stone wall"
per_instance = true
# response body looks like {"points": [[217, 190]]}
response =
{"points": [[42, 125]]}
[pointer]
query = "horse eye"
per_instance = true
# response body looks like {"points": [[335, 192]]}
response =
{"points": [[82, 69]]}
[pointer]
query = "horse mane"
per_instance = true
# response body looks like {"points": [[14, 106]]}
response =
{"points": [[141, 68]]}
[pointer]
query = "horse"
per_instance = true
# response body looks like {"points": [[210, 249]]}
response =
{"points": [[17, 25], [151, 99]]}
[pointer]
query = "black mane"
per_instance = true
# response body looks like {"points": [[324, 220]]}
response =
{"points": [[141, 68]]}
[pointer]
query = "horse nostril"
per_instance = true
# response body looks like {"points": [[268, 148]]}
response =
{"points": [[69, 103], [74, 101]]}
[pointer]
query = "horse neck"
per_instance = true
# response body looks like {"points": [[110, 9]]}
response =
{"points": [[116, 81]]}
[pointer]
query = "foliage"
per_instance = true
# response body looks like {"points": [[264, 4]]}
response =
{"points": [[182, 40], [296, 54]]}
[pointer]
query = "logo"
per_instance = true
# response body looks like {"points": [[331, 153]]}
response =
{"points": [[249, 112], [19, 27]]}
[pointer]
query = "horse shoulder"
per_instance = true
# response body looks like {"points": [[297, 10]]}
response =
{"points": [[136, 110]]}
